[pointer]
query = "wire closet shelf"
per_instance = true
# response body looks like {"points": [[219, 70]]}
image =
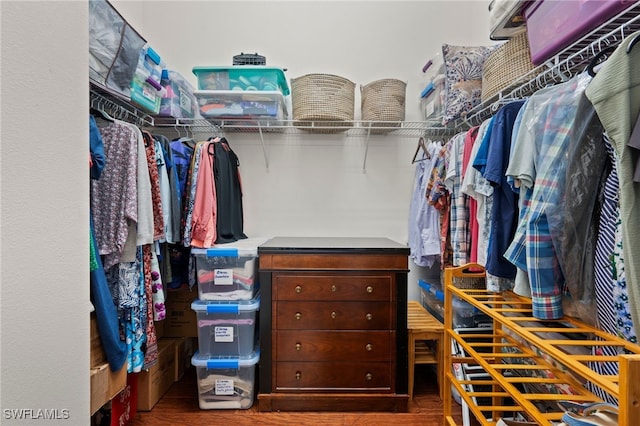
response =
{"points": [[562, 67]]}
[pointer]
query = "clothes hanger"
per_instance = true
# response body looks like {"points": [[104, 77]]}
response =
{"points": [[99, 112], [633, 42], [421, 145], [596, 60]]}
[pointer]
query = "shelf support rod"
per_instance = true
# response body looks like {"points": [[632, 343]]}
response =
{"points": [[264, 149], [366, 149]]}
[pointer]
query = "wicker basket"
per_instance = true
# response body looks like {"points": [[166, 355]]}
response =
{"points": [[469, 276], [323, 100], [383, 101], [505, 68]]}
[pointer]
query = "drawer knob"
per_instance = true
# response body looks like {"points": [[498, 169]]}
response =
{"points": [[368, 376], [298, 346], [298, 375], [368, 317], [369, 347], [334, 288], [298, 315], [369, 289], [298, 289], [333, 315]]}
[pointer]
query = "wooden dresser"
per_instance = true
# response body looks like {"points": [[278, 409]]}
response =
{"points": [[333, 324]]}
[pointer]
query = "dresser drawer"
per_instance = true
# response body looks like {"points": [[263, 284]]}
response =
{"points": [[301, 315], [325, 376], [332, 287], [334, 345]]}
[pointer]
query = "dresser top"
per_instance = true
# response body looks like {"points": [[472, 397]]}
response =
{"points": [[332, 245]]}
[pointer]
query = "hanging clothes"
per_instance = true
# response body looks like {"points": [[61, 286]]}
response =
{"points": [[547, 132], [114, 196], [230, 215], [151, 339], [190, 193], [179, 253], [126, 284], [140, 232], [469, 140], [492, 160], [573, 222], [440, 199], [152, 167], [612, 299], [173, 227], [203, 227], [424, 219], [521, 285], [615, 94], [479, 189], [459, 210], [100, 295], [165, 192]]}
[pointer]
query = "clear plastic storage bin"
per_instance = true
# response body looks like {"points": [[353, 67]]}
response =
{"points": [[432, 299], [227, 271], [226, 328], [226, 382], [242, 77], [241, 104]]}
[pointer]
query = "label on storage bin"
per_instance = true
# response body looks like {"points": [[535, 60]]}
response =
{"points": [[185, 101], [224, 387], [223, 334], [149, 92], [223, 277]]}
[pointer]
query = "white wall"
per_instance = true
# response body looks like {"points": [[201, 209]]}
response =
{"points": [[314, 184], [44, 304]]}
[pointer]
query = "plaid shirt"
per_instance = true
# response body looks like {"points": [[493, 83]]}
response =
{"points": [[547, 123], [459, 212]]}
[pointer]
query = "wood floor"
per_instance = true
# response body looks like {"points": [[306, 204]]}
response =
{"points": [[179, 406]]}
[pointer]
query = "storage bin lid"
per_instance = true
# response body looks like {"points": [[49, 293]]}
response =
{"points": [[223, 362], [433, 289], [424, 285], [226, 306], [241, 248], [247, 70]]}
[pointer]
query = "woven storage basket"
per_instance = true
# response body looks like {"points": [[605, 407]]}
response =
{"points": [[325, 100], [383, 100], [504, 68], [469, 276]]}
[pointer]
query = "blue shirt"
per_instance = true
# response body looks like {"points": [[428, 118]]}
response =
{"points": [[505, 202]]}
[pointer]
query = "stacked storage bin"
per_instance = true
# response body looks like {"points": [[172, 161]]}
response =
{"points": [[227, 314], [465, 315], [466, 319], [242, 92]]}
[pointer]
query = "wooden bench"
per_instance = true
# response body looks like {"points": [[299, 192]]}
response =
{"points": [[426, 337]]}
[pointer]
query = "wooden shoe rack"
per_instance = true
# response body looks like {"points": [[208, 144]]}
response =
{"points": [[520, 355]]}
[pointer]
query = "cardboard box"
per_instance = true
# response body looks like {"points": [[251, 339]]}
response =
{"points": [[159, 325], [96, 351], [155, 382], [185, 347], [181, 320], [106, 384]]}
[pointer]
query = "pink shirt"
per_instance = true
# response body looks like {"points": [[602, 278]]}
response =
{"points": [[203, 229]]}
